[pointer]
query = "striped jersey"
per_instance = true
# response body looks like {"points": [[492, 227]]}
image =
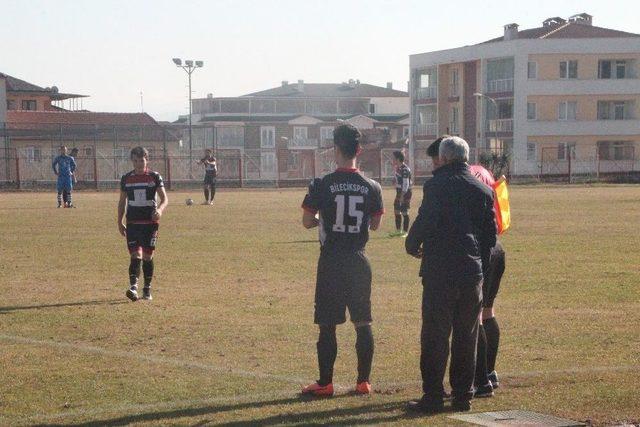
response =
{"points": [[141, 195], [403, 178]]}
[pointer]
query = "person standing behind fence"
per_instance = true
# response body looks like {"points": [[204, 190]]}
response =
{"points": [[64, 166], [210, 174], [402, 202], [453, 234]]}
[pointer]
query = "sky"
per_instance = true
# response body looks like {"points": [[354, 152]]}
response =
{"points": [[113, 50]]}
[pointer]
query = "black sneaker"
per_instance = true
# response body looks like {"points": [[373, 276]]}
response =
{"points": [[132, 294], [426, 406], [461, 405], [483, 391], [493, 377], [146, 294]]}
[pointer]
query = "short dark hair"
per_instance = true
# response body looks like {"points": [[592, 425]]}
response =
{"points": [[74, 150], [347, 138], [139, 152], [209, 150], [399, 155], [434, 149]]}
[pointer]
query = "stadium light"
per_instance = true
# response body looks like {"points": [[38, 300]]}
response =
{"points": [[189, 68], [479, 96]]}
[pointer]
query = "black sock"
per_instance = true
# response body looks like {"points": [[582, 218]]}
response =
{"points": [[481, 359], [134, 271], [206, 194], [327, 351], [405, 226], [398, 222], [364, 349], [147, 269], [493, 340]]}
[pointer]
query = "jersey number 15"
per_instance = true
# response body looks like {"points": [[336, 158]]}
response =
{"points": [[352, 201]]}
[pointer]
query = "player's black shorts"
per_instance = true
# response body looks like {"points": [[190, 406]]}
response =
{"points": [[343, 281], [209, 179], [406, 203], [491, 283], [142, 235]]}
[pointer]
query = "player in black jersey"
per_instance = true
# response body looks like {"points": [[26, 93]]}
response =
{"points": [[138, 190], [210, 174], [402, 202], [344, 205]]}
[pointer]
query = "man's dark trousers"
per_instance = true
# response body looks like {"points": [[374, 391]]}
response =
{"points": [[449, 305]]}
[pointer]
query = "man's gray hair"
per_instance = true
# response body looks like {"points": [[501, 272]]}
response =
{"points": [[454, 149]]}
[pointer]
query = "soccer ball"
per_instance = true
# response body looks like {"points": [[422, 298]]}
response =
{"points": [[189, 202]]}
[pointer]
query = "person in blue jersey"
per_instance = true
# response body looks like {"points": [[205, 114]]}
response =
{"points": [[344, 205], [64, 166]]}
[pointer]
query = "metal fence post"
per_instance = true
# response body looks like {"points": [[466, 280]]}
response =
{"points": [[168, 164], [240, 169], [17, 169]]}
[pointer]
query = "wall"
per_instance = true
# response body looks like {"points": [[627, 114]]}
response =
{"points": [[3, 100], [587, 105], [391, 105]]}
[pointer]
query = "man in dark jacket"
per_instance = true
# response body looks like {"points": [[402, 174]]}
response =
{"points": [[453, 234]]}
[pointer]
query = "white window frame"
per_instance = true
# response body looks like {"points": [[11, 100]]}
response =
{"points": [[33, 154], [531, 151], [455, 120], [265, 141], [563, 107], [535, 111], [567, 64], [535, 70], [270, 158], [454, 87], [297, 130]]}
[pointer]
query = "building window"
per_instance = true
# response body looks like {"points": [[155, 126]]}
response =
{"points": [[614, 110], [405, 131], [268, 162], [11, 104], [33, 154], [294, 161], [372, 108], [531, 151], [29, 104], [230, 136], [267, 137], [608, 69], [532, 70], [300, 133], [88, 151], [616, 150], [532, 114], [567, 110], [566, 149], [453, 126], [453, 89], [326, 136], [569, 69]]}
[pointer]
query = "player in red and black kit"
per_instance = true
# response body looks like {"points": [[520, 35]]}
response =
{"points": [[402, 202], [138, 190], [344, 205]]}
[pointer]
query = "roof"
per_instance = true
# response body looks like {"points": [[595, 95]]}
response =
{"points": [[330, 90], [78, 118], [17, 85], [567, 30], [286, 118]]}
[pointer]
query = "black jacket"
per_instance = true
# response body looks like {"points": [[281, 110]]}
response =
{"points": [[456, 226]]}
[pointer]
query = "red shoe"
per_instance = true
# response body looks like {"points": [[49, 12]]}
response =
{"points": [[316, 389], [363, 388]]}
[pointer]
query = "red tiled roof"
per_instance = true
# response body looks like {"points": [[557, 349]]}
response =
{"points": [[79, 118], [569, 30]]}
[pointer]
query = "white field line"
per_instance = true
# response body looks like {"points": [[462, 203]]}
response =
{"points": [[150, 358]]}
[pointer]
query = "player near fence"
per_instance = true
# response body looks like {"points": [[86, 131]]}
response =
{"points": [[64, 166], [402, 202], [138, 190], [210, 174], [344, 205]]}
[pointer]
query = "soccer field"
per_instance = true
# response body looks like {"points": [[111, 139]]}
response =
{"points": [[229, 337]]}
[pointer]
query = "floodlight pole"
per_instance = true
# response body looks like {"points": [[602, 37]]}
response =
{"points": [[495, 103], [189, 67]]}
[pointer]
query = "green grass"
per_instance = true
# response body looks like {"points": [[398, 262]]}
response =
{"points": [[229, 337]]}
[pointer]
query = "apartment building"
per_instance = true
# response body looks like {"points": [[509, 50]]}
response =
{"points": [[286, 132], [546, 95]]}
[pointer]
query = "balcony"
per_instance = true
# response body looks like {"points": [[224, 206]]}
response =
{"points": [[427, 92], [230, 143], [326, 142], [500, 86], [500, 125], [426, 129], [302, 143]]}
